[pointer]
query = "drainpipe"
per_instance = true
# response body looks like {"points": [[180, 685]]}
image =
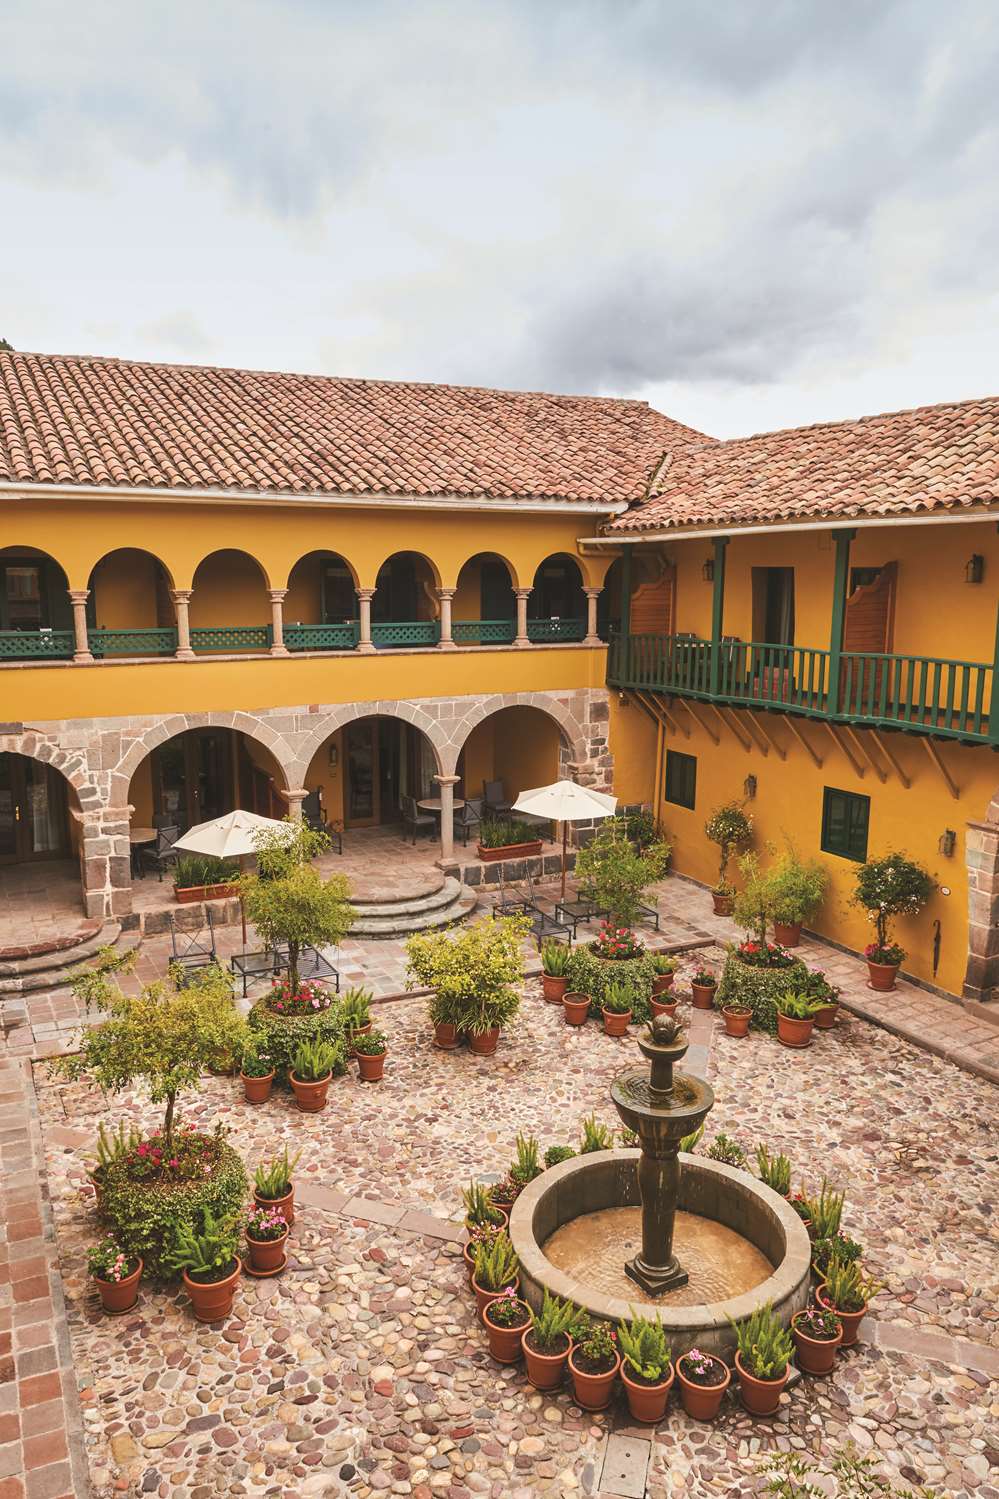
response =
{"points": [[717, 615]]}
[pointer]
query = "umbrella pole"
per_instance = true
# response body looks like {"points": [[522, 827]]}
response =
{"points": [[565, 834], [242, 908]]}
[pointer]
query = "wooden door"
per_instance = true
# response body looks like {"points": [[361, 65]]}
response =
{"points": [[868, 629], [32, 811], [653, 604], [362, 792]]}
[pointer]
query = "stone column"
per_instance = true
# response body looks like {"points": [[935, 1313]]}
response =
{"points": [[447, 785], [364, 597], [592, 594], [181, 600], [522, 595], [295, 799], [444, 597], [277, 596], [78, 598]]}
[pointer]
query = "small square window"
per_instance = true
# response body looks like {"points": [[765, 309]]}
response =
{"points": [[681, 779], [845, 821]]}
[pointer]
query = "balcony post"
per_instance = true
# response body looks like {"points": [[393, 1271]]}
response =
{"points": [[444, 597], [78, 598], [841, 581], [364, 597], [717, 615], [277, 597], [592, 594], [181, 602], [447, 785], [994, 695], [522, 638]]}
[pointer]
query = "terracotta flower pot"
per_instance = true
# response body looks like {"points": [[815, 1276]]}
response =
{"points": [[663, 1006], [593, 1391], [284, 1205], [483, 1297], [358, 1030], [761, 1397], [723, 904], [212, 1300], [310, 1097], [825, 1018], [794, 1033], [614, 1024], [505, 1344], [370, 1069], [647, 1402], [545, 1370], [787, 933], [120, 1295], [267, 1254], [553, 987], [882, 976], [703, 996], [484, 1045], [850, 1321], [815, 1355], [575, 1008], [736, 1021], [257, 1089], [446, 1037], [702, 1402], [660, 984]]}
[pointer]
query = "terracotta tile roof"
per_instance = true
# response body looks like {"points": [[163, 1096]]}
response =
{"points": [[904, 462], [94, 421]]}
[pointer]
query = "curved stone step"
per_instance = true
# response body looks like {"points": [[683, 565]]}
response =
{"points": [[402, 925], [49, 974], [448, 892]]}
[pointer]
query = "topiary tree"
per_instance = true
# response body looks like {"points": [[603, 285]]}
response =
{"points": [[728, 826], [288, 901], [891, 886], [616, 874]]}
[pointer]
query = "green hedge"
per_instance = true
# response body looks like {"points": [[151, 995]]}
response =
{"points": [[144, 1213], [588, 974], [758, 988], [281, 1035]]}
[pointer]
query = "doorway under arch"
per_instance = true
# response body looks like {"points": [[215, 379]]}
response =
{"points": [[40, 876], [520, 747], [365, 769], [201, 774]]}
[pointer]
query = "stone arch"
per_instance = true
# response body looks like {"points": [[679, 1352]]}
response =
{"points": [[981, 850], [572, 730], [244, 723], [346, 713]]}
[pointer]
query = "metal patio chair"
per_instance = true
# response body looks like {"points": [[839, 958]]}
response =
{"points": [[192, 950], [162, 853], [415, 821]]}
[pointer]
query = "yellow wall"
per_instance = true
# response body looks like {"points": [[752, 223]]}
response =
{"points": [[525, 751], [124, 591], [229, 589], [329, 779]]}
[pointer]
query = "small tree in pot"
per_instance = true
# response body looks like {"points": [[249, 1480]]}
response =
{"points": [[796, 890], [729, 827], [887, 887], [615, 874], [475, 972], [288, 901]]}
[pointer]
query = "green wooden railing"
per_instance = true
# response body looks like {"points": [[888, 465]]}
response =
{"points": [[341, 637], [483, 631], [232, 638], [26, 645], [556, 629], [152, 642], [406, 632], [920, 694]]}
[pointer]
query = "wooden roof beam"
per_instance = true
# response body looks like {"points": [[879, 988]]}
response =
{"points": [[715, 738], [806, 744], [768, 736], [736, 733], [755, 733], [862, 749], [889, 755], [949, 781], [847, 751]]}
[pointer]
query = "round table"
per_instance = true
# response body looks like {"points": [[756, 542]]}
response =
{"points": [[433, 804], [138, 836]]}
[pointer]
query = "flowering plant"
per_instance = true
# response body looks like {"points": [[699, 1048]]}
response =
{"points": [[108, 1261], [891, 886], [815, 1322], [801, 1206], [187, 1157], [614, 943], [507, 1310], [266, 1225], [307, 999], [891, 955], [704, 978], [701, 1368], [728, 826], [764, 955], [598, 1346]]}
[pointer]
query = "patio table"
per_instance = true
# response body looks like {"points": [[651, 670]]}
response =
{"points": [[139, 838]]}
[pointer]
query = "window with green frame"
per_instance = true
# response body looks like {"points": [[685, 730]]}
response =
{"points": [[845, 821], [681, 779]]}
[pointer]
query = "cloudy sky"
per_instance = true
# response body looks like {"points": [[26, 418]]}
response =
{"points": [[753, 213]]}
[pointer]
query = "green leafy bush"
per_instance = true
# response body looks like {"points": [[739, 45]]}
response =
{"points": [[205, 1249], [280, 1036], [890, 886], [723, 1148], [792, 1475], [203, 869], [474, 971], [504, 832], [765, 1345], [759, 988], [588, 974], [288, 901], [825, 1211], [644, 1349], [555, 1154], [797, 887], [615, 875], [728, 826]]}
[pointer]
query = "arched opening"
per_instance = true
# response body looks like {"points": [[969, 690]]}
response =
{"points": [[516, 748], [36, 616], [130, 611], [368, 770], [609, 613], [484, 608], [39, 850], [556, 609], [230, 609], [405, 609], [320, 608], [201, 774]]}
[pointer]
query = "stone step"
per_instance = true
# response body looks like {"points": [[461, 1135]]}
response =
{"points": [[401, 924], [447, 893], [51, 971]]}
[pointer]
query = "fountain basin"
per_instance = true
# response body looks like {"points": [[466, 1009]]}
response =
{"points": [[708, 1189]]}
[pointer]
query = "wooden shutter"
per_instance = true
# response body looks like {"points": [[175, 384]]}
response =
{"points": [[868, 627], [653, 605]]}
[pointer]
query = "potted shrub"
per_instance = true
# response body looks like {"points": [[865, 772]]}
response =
{"points": [[355, 1011], [795, 1019], [702, 988], [556, 1154], [729, 827], [595, 1136], [797, 888], [441, 1012], [273, 1186], [846, 1292], [289, 902], [703, 1380], [554, 970], [547, 1343], [369, 1049], [593, 1365], [663, 969], [723, 1148], [887, 887], [496, 1269], [737, 1016], [646, 1368], [615, 875], [617, 954], [506, 1319], [663, 1006], [799, 1202], [256, 1073], [774, 1170], [617, 1009], [207, 1257], [481, 1233], [836, 1246], [817, 1334], [526, 1165], [826, 996], [284, 1018], [763, 1354], [503, 838], [117, 1274], [476, 973], [266, 1237], [480, 1209], [756, 973], [311, 1075], [203, 877]]}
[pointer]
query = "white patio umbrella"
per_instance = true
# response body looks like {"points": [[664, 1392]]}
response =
{"points": [[565, 802], [231, 836]]}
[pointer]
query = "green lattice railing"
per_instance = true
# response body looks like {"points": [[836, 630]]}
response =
{"points": [[23, 645], [321, 637], [232, 638], [406, 632], [483, 631], [556, 629], [152, 642]]}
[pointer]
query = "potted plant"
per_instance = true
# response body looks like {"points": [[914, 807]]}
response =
{"points": [[556, 1154], [442, 1017], [547, 1343], [266, 1237], [256, 1072], [209, 1263], [593, 1365], [663, 969], [526, 1165], [825, 1212], [797, 888], [476, 971], [311, 1075], [285, 1017], [616, 875], [596, 1136], [846, 1291], [775, 1170], [702, 988], [575, 1008], [506, 1319], [887, 887], [480, 1208], [703, 1380], [617, 1009], [723, 1148], [763, 1354], [826, 995], [554, 966], [112, 1148], [355, 1011], [837, 1246], [117, 1274], [480, 1233], [369, 1049], [663, 1006], [203, 877], [502, 838], [496, 1269], [728, 827], [799, 1202], [737, 1017], [273, 1186], [795, 1019], [646, 1368], [817, 1334]]}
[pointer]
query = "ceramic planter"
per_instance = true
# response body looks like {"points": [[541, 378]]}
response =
{"points": [[212, 1300], [575, 1008], [370, 1069], [553, 986], [545, 1370], [703, 996], [310, 1096], [445, 1037], [736, 1021], [761, 1397], [722, 903], [815, 1355], [593, 1391], [616, 1024], [511, 851], [483, 1297], [660, 984], [794, 1033], [663, 1006], [484, 1045], [267, 1254], [825, 1018], [284, 1205], [700, 1401], [187, 895], [120, 1295], [646, 1402], [882, 976], [505, 1343], [787, 933], [850, 1321], [256, 1089]]}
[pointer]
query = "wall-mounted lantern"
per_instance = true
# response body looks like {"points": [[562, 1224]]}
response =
{"points": [[708, 570], [947, 843], [749, 787], [974, 569]]}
